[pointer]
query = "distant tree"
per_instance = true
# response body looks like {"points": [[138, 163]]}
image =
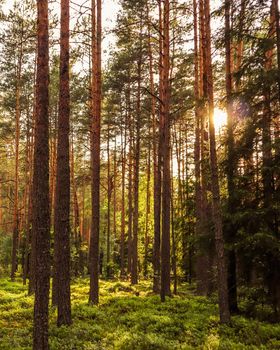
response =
{"points": [[166, 176]]}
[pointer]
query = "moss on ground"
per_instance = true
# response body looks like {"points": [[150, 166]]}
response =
{"points": [[131, 318]]}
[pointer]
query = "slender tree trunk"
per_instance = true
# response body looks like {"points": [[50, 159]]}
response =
{"points": [[28, 165], [166, 180], [158, 170], [154, 136], [122, 248], [115, 199], [134, 265], [231, 165], [109, 192], [277, 124], [174, 256], [203, 263], [267, 169], [53, 161], [217, 215], [62, 192], [76, 212], [147, 218], [95, 151], [17, 137], [130, 185], [30, 260], [53, 130], [197, 152], [40, 195], [275, 5]]}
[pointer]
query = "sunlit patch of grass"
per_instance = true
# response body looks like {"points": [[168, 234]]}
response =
{"points": [[131, 318]]}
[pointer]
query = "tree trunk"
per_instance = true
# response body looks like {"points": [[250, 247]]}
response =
{"points": [[78, 263], [17, 137], [166, 180], [231, 165], [95, 151], [203, 264], [217, 214], [62, 192], [109, 193], [40, 195], [134, 261], [147, 218], [130, 184], [270, 218], [29, 260], [157, 148], [122, 248]]}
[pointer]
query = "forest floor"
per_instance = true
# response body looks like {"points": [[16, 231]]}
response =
{"points": [[131, 318]]}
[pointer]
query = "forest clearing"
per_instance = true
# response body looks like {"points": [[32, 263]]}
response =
{"points": [[139, 174]]}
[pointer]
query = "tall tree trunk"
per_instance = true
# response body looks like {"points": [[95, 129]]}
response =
{"points": [[28, 174], [197, 152], [277, 124], [203, 264], [231, 165], [40, 195], [17, 137], [115, 200], [158, 169], [275, 5], [78, 264], [134, 265], [62, 191], [130, 183], [166, 180], [217, 215], [154, 136], [109, 193], [53, 163], [95, 151], [174, 256], [30, 260], [147, 218], [122, 248], [267, 171]]}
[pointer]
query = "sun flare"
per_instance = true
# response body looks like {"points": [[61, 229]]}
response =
{"points": [[220, 119]]}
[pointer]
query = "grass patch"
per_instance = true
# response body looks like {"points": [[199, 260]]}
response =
{"points": [[131, 318]]}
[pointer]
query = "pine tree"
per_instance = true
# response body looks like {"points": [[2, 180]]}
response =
{"points": [[40, 195], [62, 192]]}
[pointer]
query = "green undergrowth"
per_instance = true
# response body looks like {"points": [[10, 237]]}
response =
{"points": [[131, 318]]}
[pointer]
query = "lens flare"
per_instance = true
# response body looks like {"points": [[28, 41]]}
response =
{"points": [[220, 119]]}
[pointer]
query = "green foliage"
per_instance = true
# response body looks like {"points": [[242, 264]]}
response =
{"points": [[131, 318], [5, 253]]}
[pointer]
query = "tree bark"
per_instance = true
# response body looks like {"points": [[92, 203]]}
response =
{"points": [[62, 192], [109, 193], [95, 151], [166, 180], [40, 195], [231, 165], [217, 214], [17, 137], [158, 170], [134, 261], [122, 248]]}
